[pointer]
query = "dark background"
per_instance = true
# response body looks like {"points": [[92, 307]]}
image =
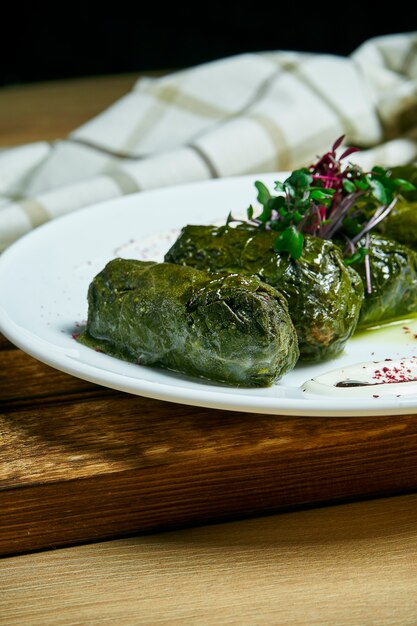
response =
{"points": [[42, 42]]}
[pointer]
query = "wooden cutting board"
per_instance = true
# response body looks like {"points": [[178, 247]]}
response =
{"points": [[79, 462]]}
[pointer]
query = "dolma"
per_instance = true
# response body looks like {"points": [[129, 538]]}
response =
{"points": [[401, 223], [324, 296], [393, 281], [227, 328]]}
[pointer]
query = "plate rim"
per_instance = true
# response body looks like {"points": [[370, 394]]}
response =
{"points": [[206, 396]]}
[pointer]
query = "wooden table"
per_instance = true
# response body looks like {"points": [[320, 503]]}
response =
{"points": [[354, 563]]}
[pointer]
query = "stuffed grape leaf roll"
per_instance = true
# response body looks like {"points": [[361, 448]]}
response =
{"points": [[401, 223], [227, 328], [324, 296], [393, 280]]}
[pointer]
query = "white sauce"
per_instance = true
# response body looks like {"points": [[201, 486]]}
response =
{"points": [[367, 380]]}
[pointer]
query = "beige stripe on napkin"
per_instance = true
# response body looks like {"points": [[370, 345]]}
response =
{"points": [[35, 211]]}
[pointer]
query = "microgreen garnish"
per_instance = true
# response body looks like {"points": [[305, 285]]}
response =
{"points": [[328, 199]]}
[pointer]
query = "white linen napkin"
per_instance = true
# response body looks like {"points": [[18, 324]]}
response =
{"points": [[250, 113]]}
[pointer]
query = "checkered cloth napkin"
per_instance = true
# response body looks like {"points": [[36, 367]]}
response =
{"points": [[246, 114]]}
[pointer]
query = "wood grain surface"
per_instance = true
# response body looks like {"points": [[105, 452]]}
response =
{"points": [[48, 111], [80, 462], [350, 565]]}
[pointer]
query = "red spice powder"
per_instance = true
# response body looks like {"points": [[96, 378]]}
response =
{"points": [[394, 374]]}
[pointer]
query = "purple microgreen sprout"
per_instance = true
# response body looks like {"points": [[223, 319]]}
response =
{"points": [[331, 200]]}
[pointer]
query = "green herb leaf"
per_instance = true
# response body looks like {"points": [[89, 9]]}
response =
{"points": [[249, 211], [229, 219], [291, 241], [279, 186], [348, 186], [319, 195], [263, 193], [379, 170], [361, 184], [277, 203], [300, 179], [357, 257], [403, 184], [265, 215], [378, 189]]}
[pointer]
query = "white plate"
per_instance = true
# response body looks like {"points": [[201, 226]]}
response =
{"points": [[43, 285]]}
